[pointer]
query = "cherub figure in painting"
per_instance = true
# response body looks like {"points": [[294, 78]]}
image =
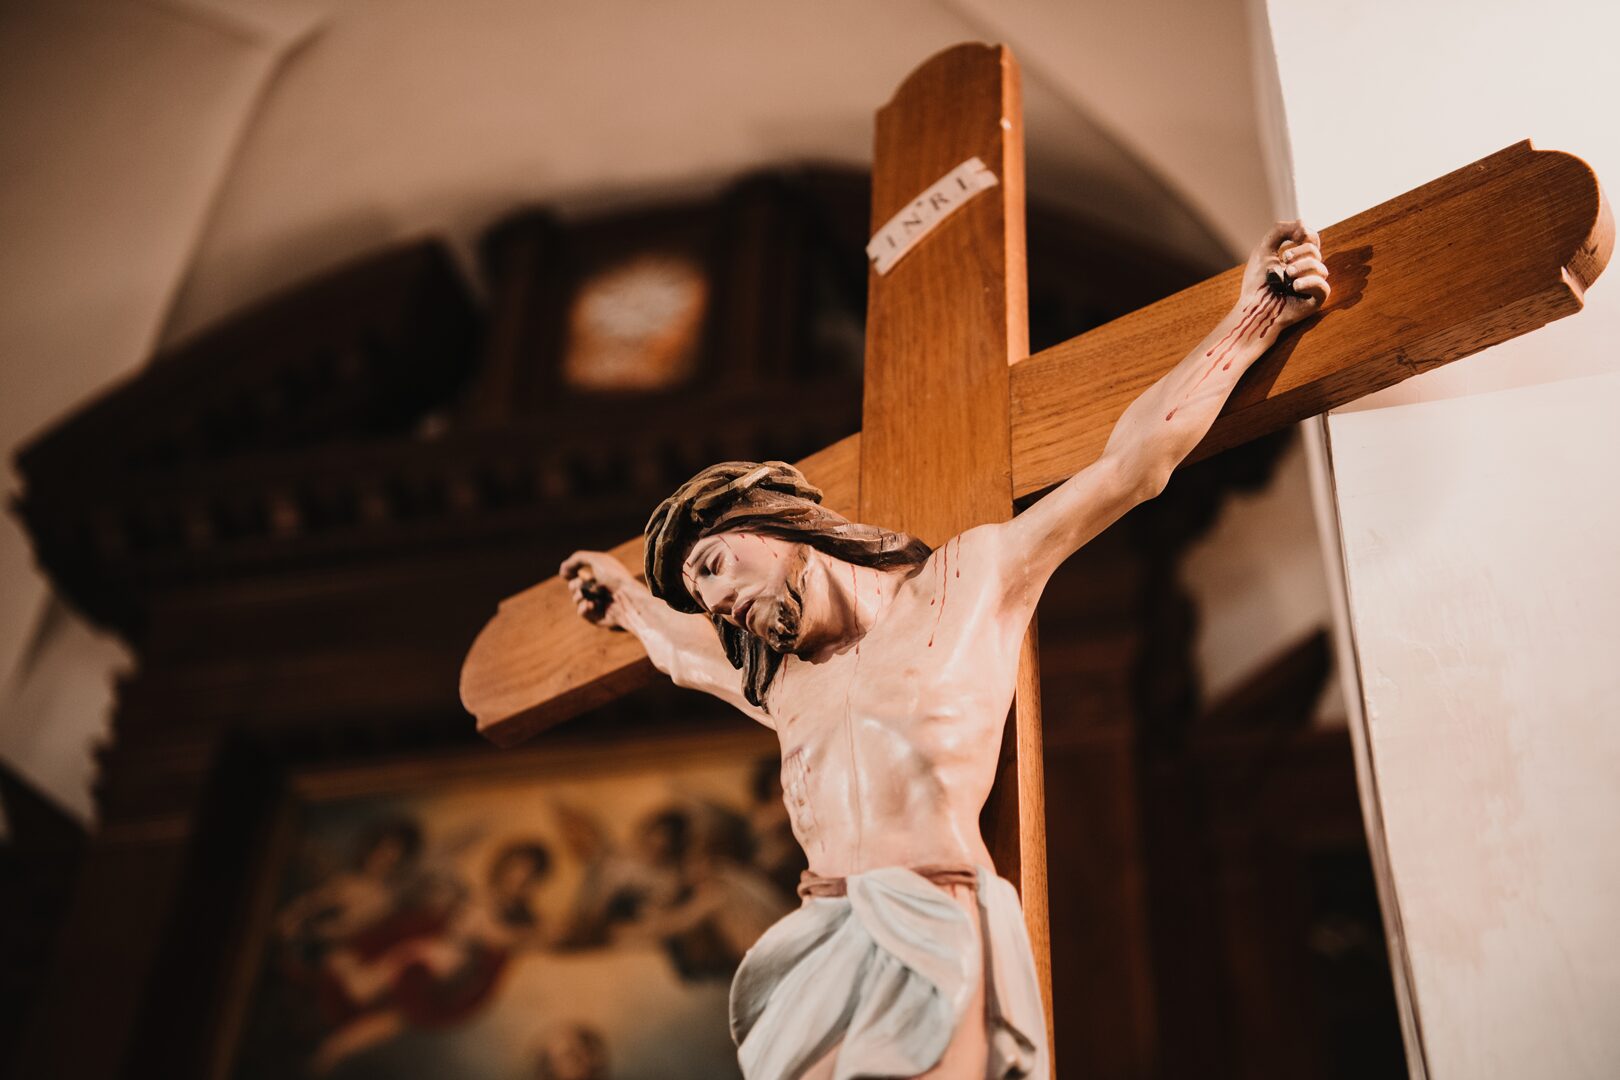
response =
{"points": [[354, 899], [571, 1051], [685, 882], [434, 966], [886, 670]]}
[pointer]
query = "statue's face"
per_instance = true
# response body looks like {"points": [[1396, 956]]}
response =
{"points": [[752, 581]]}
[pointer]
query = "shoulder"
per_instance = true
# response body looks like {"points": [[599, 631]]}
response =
{"points": [[981, 552], [1000, 560], [985, 543]]}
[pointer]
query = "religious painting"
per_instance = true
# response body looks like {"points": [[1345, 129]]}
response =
{"points": [[637, 324], [753, 281], [563, 914], [621, 304]]}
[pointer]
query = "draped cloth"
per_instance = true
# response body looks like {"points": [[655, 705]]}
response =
{"points": [[884, 973]]}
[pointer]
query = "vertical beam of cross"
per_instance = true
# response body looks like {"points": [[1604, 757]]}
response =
{"points": [[944, 325]]}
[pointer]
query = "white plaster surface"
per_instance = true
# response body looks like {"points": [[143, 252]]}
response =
{"points": [[403, 118], [1478, 524], [1170, 80], [117, 123], [1480, 539]]}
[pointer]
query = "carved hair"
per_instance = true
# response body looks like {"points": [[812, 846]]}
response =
{"points": [[772, 498]]}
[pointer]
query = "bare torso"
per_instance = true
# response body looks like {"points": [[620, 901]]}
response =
{"points": [[889, 748]]}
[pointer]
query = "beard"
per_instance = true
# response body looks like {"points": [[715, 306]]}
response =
{"points": [[784, 608], [781, 613]]}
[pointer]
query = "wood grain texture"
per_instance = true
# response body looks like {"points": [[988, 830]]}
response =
{"points": [[1494, 250], [1491, 251], [943, 328], [536, 664], [1028, 792], [944, 325]]}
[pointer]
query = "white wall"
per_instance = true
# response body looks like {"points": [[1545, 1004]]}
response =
{"points": [[404, 117], [118, 121], [1170, 80], [1478, 526]]}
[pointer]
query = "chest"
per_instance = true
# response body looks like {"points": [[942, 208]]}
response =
{"points": [[939, 653]]}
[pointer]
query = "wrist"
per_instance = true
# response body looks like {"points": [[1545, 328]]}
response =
{"points": [[630, 600], [1255, 322], [647, 617]]}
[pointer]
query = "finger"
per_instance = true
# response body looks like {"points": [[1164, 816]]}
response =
{"points": [[1275, 236], [1302, 267], [1313, 285], [585, 608], [1284, 230], [570, 566], [1289, 251]]}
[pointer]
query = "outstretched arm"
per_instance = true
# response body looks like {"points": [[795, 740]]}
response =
{"points": [[682, 646], [1285, 281]]}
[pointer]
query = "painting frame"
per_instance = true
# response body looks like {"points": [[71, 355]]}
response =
{"points": [[458, 773]]}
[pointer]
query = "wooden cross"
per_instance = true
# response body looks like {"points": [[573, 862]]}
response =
{"points": [[958, 420]]}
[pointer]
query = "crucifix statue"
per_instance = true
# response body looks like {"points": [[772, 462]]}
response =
{"points": [[886, 669], [874, 605]]}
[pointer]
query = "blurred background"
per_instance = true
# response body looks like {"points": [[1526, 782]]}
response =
{"points": [[327, 324]]}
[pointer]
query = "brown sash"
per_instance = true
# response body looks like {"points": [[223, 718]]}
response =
{"points": [[944, 876]]}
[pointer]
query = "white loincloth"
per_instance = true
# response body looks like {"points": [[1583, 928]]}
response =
{"points": [[884, 973]]}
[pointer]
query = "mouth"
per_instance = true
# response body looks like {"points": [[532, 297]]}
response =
{"points": [[740, 612]]}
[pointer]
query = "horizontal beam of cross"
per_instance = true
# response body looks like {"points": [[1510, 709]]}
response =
{"points": [[1484, 254]]}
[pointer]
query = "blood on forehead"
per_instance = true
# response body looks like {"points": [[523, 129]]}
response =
{"points": [[737, 542]]}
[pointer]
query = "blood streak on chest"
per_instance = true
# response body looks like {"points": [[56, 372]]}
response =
{"points": [[855, 593], [944, 583]]}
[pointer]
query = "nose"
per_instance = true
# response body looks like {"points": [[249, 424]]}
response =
{"points": [[715, 596]]}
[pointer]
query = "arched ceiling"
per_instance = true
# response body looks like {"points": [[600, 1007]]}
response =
{"points": [[398, 118]]}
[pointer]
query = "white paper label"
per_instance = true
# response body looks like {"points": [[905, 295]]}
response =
{"points": [[949, 194]]}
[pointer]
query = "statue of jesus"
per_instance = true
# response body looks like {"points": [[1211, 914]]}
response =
{"points": [[887, 670]]}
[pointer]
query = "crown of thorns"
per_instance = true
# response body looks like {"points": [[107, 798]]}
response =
{"points": [[768, 497]]}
